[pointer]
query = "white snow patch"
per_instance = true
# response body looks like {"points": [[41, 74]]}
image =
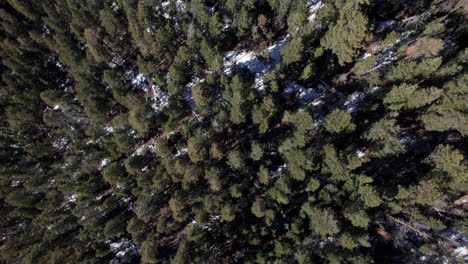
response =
{"points": [[360, 154], [62, 143], [104, 162], [71, 198], [160, 98], [227, 23], [250, 61], [181, 152], [181, 6], [461, 252], [353, 101], [123, 247], [115, 6], [109, 129], [312, 8], [280, 169], [187, 94], [56, 107], [383, 25], [15, 183], [215, 217], [306, 94], [139, 81], [365, 56], [351, 104], [259, 83], [406, 139]]}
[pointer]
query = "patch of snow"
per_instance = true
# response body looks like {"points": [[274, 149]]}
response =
{"points": [[160, 98], [187, 94], [275, 50], [353, 101], [227, 23], [109, 129], [16, 146], [259, 83], [406, 139], [374, 89], [139, 150], [312, 8], [280, 169], [62, 143], [123, 247], [360, 154], [461, 252], [181, 6], [15, 183], [306, 94], [181, 152], [383, 25], [115, 7], [215, 217], [139, 81], [104, 162], [71, 198], [351, 104], [250, 61], [244, 59], [365, 56], [150, 31]]}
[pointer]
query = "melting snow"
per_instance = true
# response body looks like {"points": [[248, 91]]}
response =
{"points": [[312, 8], [123, 247], [139, 81], [306, 94], [180, 5], [181, 152], [109, 129], [383, 25], [365, 56], [351, 104], [353, 101], [406, 139], [115, 7], [250, 61], [160, 99], [360, 154], [215, 217], [188, 96], [15, 183], [104, 162], [61, 143], [461, 252], [71, 198]]}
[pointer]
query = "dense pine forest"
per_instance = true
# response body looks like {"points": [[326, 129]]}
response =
{"points": [[233, 131]]}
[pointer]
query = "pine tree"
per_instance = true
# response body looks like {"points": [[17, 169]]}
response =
{"points": [[346, 35]]}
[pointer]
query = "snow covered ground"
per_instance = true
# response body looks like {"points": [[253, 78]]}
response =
{"points": [[352, 103], [123, 248], [160, 99], [249, 60], [307, 95], [312, 8], [188, 91]]}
